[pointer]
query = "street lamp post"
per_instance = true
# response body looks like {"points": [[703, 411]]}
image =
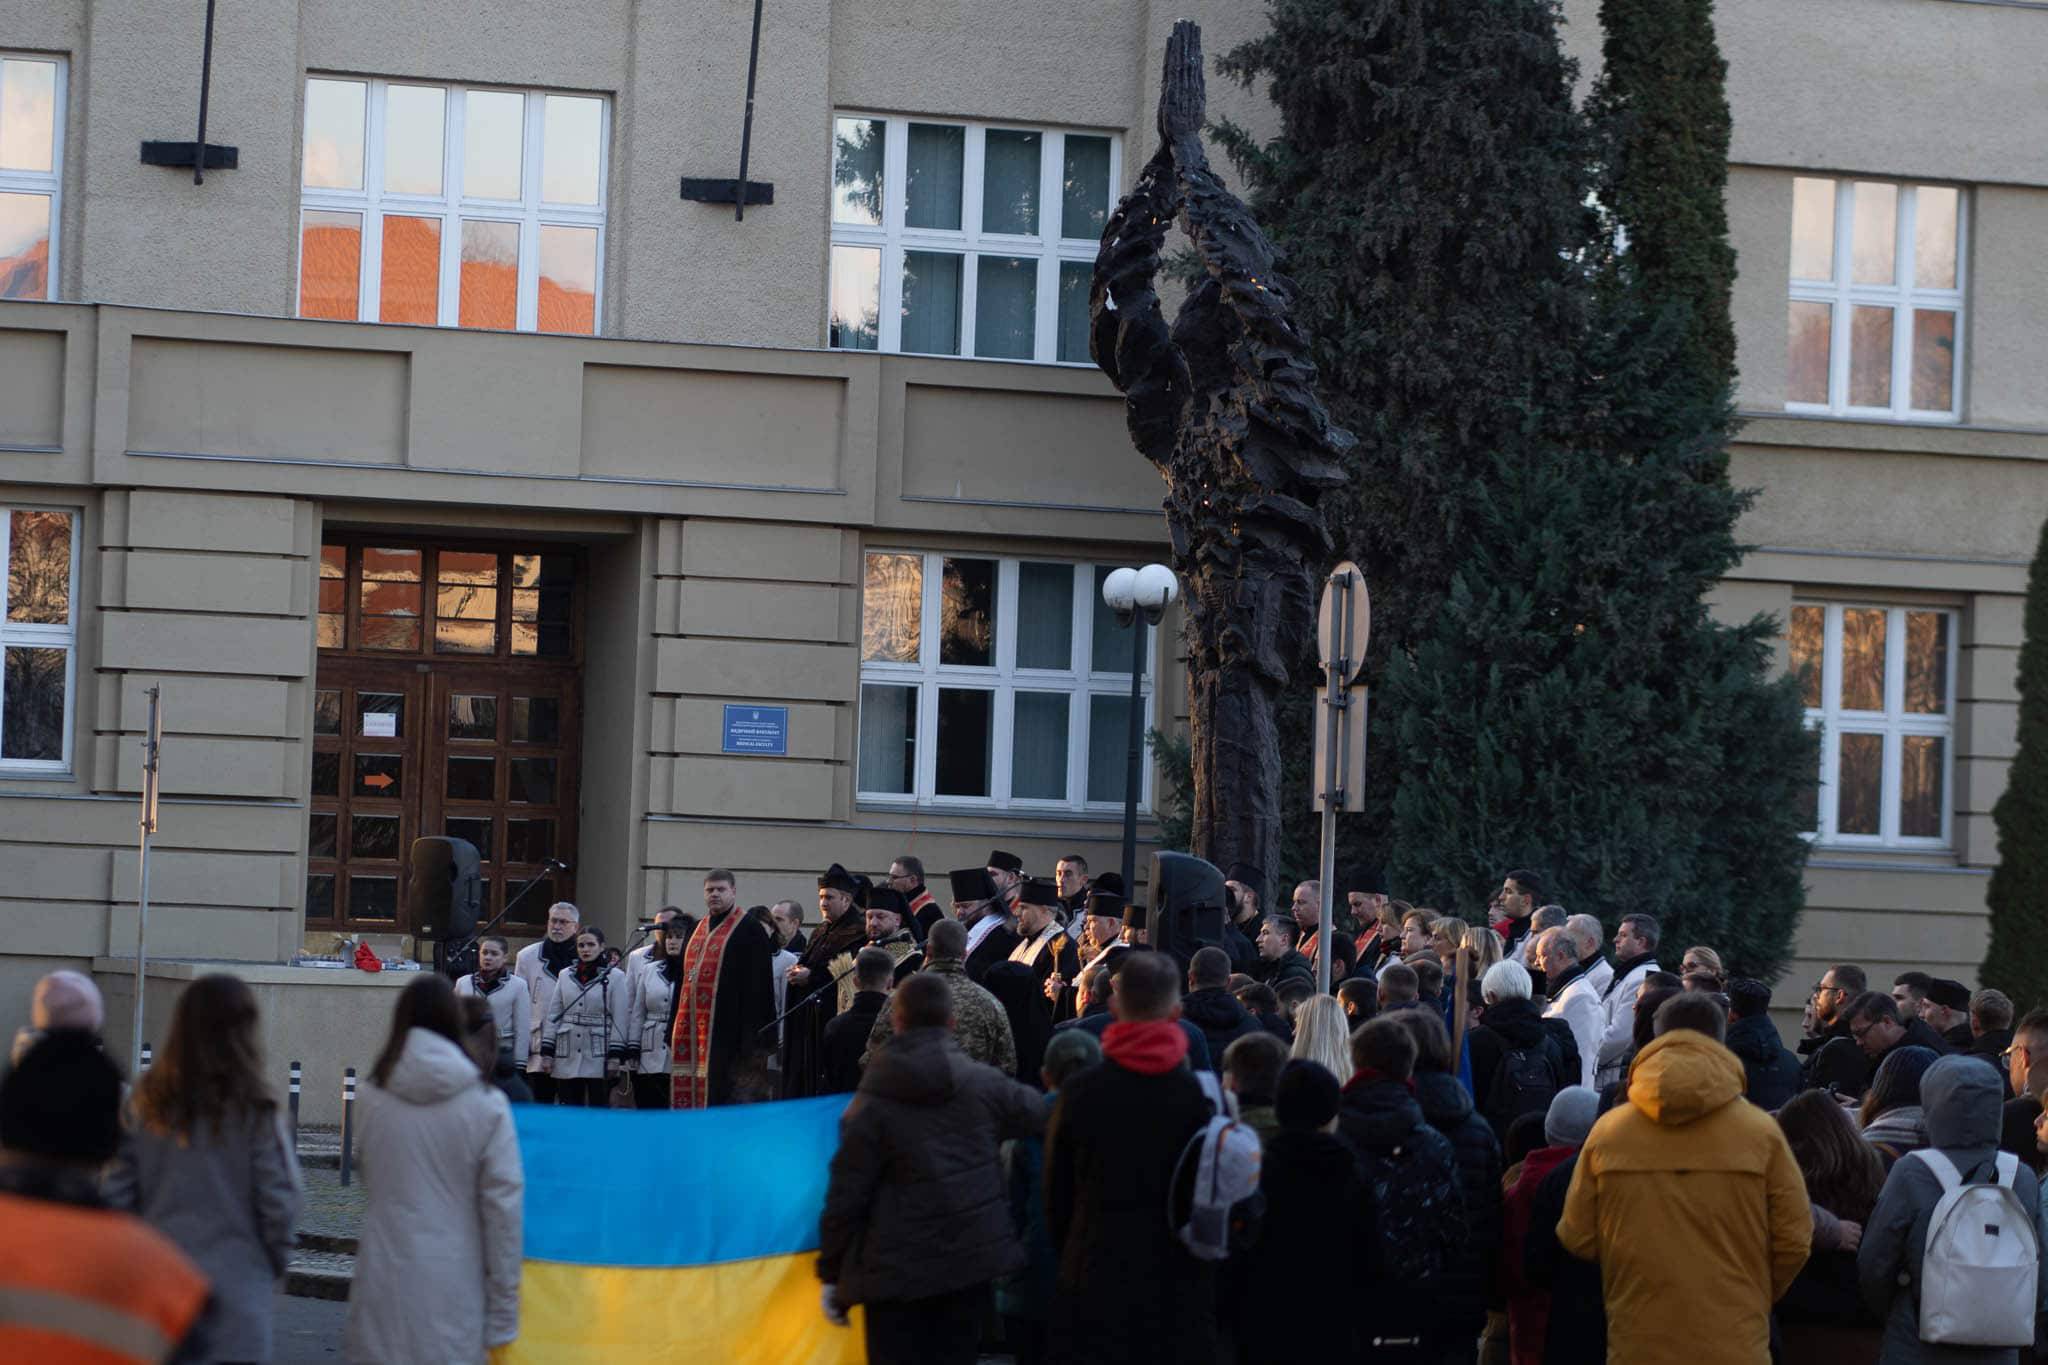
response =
{"points": [[1139, 598]]}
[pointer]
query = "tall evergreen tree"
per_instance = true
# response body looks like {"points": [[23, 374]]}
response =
{"points": [[2017, 960], [1543, 504]]}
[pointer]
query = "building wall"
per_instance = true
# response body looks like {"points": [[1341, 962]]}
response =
{"points": [[725, 474]]}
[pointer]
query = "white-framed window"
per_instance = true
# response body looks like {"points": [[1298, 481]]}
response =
{"points": [[1880, 686], [38, 639], [1002, 683], [31, 173], [1876, 313], [455, 205], [968, 239]]}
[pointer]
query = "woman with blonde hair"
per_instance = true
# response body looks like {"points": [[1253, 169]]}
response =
{"points": [[1322, 1033], [207, 1161], [1448, 935], [1703, 961]]}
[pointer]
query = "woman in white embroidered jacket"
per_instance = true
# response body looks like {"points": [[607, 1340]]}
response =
{"points": [[586, 1035]]}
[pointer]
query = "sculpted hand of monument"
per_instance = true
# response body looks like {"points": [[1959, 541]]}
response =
{"points": [[1183, 104]]}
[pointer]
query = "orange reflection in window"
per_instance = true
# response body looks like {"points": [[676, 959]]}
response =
{"points": [[330, 262], [490, 275], [409, 278], [568, 280]]}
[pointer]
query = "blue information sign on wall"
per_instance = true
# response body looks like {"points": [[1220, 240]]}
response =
{"points": [[757, 730]]}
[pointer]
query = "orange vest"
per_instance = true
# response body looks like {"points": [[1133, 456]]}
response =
{"points": [[83, 1286]]}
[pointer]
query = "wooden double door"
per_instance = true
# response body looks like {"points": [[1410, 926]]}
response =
{"points": [[487, 750]]}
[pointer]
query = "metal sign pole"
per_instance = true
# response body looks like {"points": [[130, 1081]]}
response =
{"points": [[1343, 623], [152, 740]]}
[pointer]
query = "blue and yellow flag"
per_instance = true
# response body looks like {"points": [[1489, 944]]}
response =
{"points": [[677, 1237]]}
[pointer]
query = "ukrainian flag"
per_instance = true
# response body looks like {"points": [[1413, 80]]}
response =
{"points": [[677, 1237]]}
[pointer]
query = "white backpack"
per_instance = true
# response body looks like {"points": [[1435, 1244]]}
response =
{"points": [[1978, 1275], [1227, 1158]]}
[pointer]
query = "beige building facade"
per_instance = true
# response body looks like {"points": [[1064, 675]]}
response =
{"points": [[449, 473]]}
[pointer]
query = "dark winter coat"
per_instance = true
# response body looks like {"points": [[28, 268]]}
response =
{"points": [[2016, 1130], [1511, 1025], [1128, 1291], [1411, 1173], [846, 1038], [1288, 1302], [1098, 1022], [1291, 966], [1772, 1068], [1244, 955], [916, 1204], [1577, 1330], [1221, 1019], [1467, 1286]]}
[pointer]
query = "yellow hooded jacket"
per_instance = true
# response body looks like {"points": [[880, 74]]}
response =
{"points": [[1691, 1202]]}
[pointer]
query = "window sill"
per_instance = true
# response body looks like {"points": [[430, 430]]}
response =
{"points": [[1093, 816]]}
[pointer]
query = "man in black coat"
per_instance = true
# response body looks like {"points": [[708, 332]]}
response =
{"points": [[1991, 1028], [1577, 1330], [1111, 1151], [844, 930], [1771, 1067], [2029, 1058], [1278, 961], [979, 906], [846, 1037], [1518, 1065], [1210, 1006], [1845, 1068]]}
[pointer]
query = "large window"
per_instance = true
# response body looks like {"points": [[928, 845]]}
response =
{"points": [[452, 205], [31, 166], [994, 682], [965, 239], [1877, 299], [1880, 685], [38, 638]]}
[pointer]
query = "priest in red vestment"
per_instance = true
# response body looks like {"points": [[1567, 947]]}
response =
{"points": [[719, 1046]]}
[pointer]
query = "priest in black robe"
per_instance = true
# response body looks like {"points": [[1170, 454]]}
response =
{"points": [[719, 1039], [978, 905], [1043, 943], [811, 998]]}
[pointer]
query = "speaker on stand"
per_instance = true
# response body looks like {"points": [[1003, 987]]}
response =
{"points": [[446, 897]]}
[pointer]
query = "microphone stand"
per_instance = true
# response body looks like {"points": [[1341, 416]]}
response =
{"points": [[450, 960], [806, 1001]]}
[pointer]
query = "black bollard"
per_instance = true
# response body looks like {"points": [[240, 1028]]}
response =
{"points": [[348, 1124], [147, 1056], [297, 1075]]}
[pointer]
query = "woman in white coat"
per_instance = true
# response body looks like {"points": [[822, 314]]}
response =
{"points": [[510, 999], [653, 1012], [207, 1162], [585, 1038], [437, 1263]]}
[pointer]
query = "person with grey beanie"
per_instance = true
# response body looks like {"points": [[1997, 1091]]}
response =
{"points": [[1551, 1297]]}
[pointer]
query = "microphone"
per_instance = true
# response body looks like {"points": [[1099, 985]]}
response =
{"points": [[559, 865]]}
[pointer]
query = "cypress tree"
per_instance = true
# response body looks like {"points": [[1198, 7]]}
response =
{"points": [[2017, 960], [1542, 506]]}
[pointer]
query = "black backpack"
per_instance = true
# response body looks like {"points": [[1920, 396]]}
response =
{"points": [[1569, 1067], [1525, 1082]]}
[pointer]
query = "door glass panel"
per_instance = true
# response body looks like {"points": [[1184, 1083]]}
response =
{"points": [[533, 909], [472, 716], [372, 897], [380, 715], [380, 775], [465, 619], [1863, 659], [964, 744], [333, 594], [321, 834], [1038, 749], [390, 599], [536, 720], [373, 836], [1920, 773], [888, 739], [1926, 662], [327, 774], [477, 832], [1859, 785], [472, 779], [320, 895], [967, 614], [543, 595], [327, 712], [533, 781], [529, 841]]}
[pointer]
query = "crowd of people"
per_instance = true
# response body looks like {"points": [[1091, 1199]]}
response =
{"points": [[1485, 1143]]}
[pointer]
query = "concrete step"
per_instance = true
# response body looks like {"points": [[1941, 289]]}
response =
{"points": [[313, 1274]]}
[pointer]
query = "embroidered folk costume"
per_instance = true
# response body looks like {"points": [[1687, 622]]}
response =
{"points": [[718, 1052]]}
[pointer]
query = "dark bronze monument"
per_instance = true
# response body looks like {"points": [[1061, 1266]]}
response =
{"points": [[1224, 403]]}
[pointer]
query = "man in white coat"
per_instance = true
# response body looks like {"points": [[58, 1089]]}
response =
{"points": [[1635, 957], [538, 964], [1575, 992]]}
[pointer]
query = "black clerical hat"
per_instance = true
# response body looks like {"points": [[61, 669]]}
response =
{"points": [[1008, 862], [885, 898], [972, 884], [837, 878], [1107, 897], [1039, 891]]}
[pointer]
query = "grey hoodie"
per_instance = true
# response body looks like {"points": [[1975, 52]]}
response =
{"points": [[1963, 1098]]}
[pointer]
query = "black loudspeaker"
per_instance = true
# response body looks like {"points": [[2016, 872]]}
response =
{"points": [[447, 888], [1186, 912]]}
